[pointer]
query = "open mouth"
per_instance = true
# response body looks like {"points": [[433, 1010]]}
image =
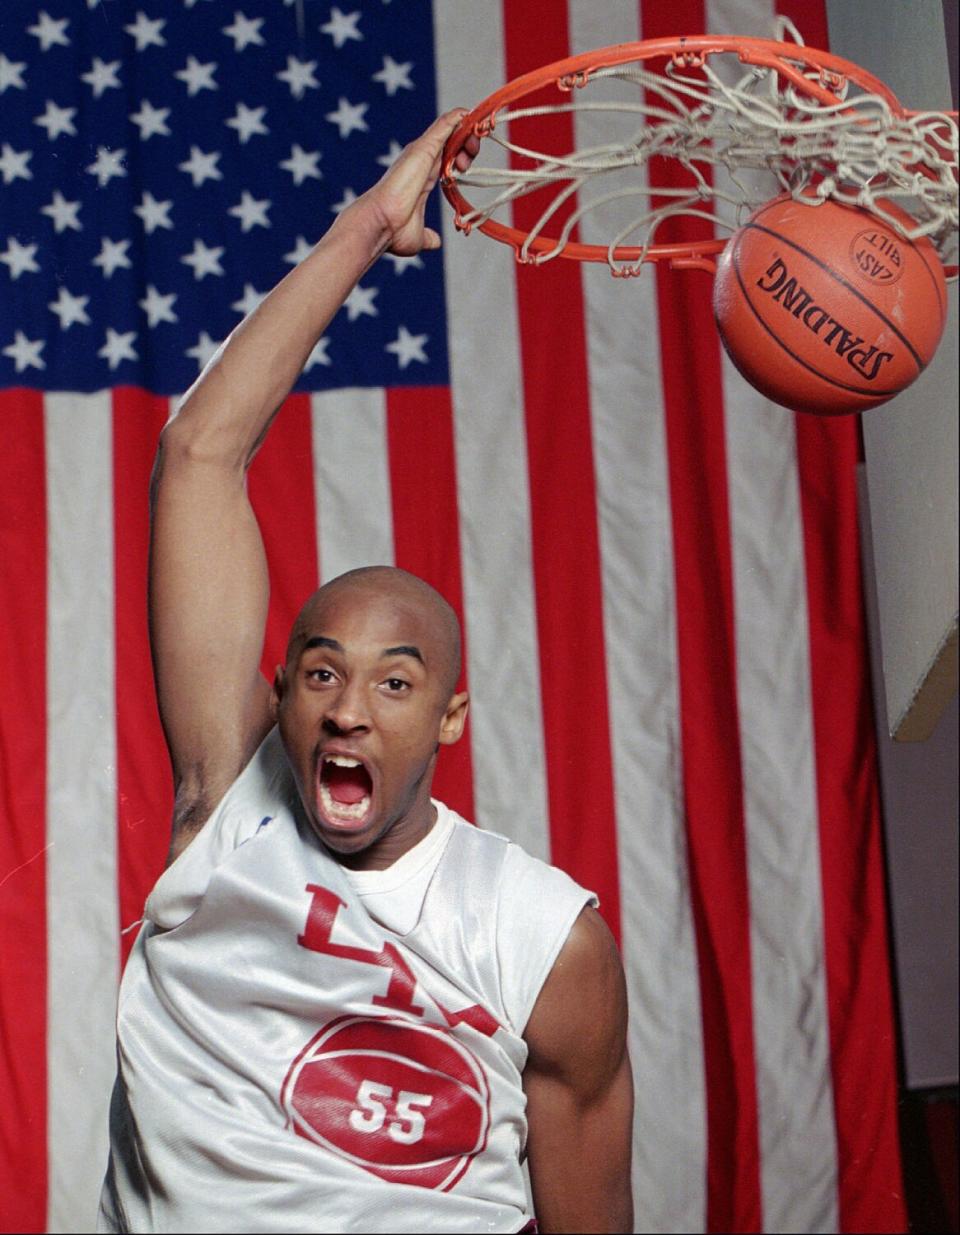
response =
{"points": [[344, 789]]}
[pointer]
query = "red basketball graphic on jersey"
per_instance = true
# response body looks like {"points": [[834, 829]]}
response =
{"points": [[407, 1102]]}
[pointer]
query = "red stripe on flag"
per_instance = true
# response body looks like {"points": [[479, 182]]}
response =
{"points": [[862, 1040], [144, 783], [563, 516], [564, 524], [280, 484], [712, 770], [426, 532], [859, 1000], [23, 761]]}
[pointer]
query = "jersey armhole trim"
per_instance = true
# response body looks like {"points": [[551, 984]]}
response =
{"points": [[550, 957]]}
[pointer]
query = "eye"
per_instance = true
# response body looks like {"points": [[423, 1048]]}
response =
{"points": [[322, 676], [396, 685]]}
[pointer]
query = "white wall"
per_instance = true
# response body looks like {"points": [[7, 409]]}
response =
{"points": [[911, 443]]}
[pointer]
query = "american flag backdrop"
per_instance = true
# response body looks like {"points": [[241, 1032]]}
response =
{"points": [[658, 573]]}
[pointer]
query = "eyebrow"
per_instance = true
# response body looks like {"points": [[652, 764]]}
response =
{"points": [[405, 649], [402, 649], [321, 641]]}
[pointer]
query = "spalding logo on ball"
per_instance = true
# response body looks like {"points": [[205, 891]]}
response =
{"points": [[407, 1102], [825, 308]]}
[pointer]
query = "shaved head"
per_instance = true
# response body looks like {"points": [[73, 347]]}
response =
{"points": [[365, 702], [397, 587]]}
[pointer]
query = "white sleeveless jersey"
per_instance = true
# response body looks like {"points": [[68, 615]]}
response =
{"points": [[294, 1056]]}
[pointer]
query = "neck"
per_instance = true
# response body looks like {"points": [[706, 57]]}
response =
{"points": [[399, 839]]}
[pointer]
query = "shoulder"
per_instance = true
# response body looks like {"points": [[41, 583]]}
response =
{"points": [[518, 874], [579, 1020], [579, 1087], [528, 905], [518, 879]]}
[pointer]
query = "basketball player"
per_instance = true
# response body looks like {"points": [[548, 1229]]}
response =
{"points": [[346, 1010]]}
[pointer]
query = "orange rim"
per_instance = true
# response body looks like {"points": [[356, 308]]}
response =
{"points": [[686, 52]]}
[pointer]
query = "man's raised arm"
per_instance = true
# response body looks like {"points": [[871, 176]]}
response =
{"points": [[208, 577]]}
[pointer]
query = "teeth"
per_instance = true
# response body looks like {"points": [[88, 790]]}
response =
{"points": [[342, 761], [338, 810]]}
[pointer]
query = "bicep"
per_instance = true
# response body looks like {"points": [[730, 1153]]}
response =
{"points": [[209, 592], [579, 1088]]}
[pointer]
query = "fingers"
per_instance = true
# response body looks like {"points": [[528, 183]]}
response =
{"points": [[467, 153], [449, 120], [400, 196], [434, 138]]}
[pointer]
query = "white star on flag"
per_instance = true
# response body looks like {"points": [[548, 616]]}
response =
{"points": [[118, 347], [361, 301], [11, 73], [152, 213], [70, 309], [204, 260], [247, 121], [201, 166], [57, 120], [407, 347], [348, 198], [108, 163], [318, 355], [25, 353], [102, 76], [303, 249], [394, 153], [349, 116], [13, 164], [63, 213], [150, 120], [394, 76], [341, 27], [250, 300], [146, 31], [104, 208], [197, 76], [112, 255], [302, 164], [299, 75], [50, 31], [400, 264], [20, 258], [203, 350], [157, 306], [244, 31], [250, 212]]}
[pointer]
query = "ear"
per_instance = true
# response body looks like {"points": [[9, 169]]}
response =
{"points": [[454, 719], [277, 691]]}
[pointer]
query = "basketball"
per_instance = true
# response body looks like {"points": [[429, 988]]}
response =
{"points": [[407, 1102], [826, 308]]}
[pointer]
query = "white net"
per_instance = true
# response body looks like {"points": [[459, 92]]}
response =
{"points": [[741, 133]]}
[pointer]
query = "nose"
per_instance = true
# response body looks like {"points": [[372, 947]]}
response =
{"points": [[346, 711]]}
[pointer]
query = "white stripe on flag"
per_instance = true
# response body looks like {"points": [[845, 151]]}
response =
{"points": [[791, 1029], [352, 480], [638, 583], [798, 1151], [82, 943], [506, 720]]}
